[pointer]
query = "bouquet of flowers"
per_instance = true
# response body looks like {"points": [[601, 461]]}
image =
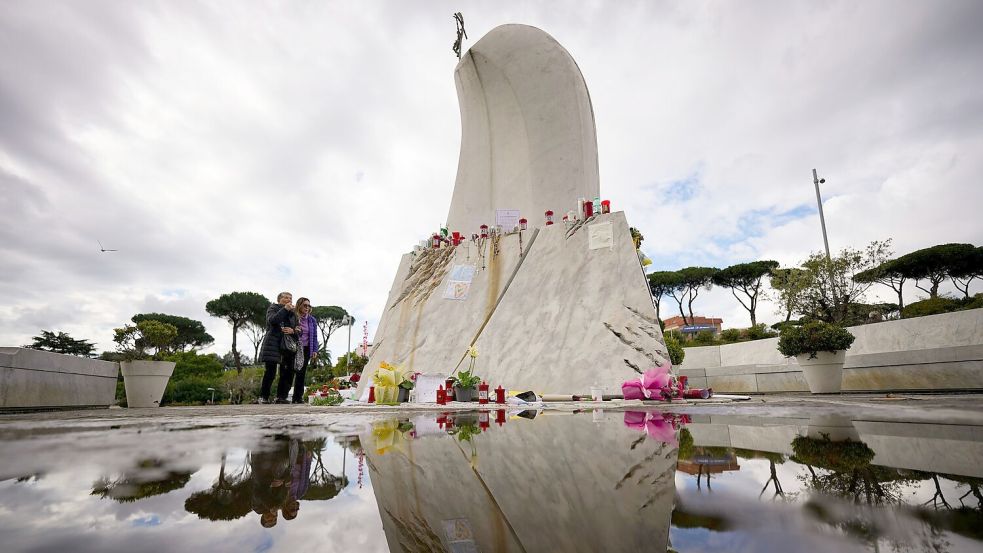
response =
{"points": [[387, 380]]}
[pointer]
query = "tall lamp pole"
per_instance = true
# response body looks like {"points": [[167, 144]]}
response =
{"points": [[822, 220], [348, 320]]}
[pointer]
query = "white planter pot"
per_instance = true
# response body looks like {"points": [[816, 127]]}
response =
{"points": [[145, 381], [824, 374]]}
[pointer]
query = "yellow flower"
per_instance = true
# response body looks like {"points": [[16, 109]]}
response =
{"points": [[385, 436], [473, 352]]}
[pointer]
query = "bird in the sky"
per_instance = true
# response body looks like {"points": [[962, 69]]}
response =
{"points": [[102, 249]]}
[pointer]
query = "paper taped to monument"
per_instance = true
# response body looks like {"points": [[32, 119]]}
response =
{"points": [[601, 235], [555, 308]]}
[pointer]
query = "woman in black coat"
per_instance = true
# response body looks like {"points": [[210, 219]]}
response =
{"points": [[280, 319]]}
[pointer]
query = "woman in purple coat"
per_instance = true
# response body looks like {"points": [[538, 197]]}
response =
{"points": [[307, 340]]}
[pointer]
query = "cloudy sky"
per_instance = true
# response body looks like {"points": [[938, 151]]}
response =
{"points": [[306, 145]]}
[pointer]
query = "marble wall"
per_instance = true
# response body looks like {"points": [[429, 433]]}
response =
{"points": [[38, 379], [938, 352]]}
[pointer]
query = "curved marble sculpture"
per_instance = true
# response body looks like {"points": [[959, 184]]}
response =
{"points": [[555, 309], [528, 140]]}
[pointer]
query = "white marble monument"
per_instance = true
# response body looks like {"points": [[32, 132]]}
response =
{"points": [[554, 308]]}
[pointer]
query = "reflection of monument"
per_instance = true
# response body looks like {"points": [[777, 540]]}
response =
{"points": [[556, 483], [554, 308]]}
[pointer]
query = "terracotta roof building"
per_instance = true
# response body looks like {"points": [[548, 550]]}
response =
{"points": [[698, 323]]}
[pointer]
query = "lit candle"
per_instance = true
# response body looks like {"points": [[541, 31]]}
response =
{"points": [[549, 217]]}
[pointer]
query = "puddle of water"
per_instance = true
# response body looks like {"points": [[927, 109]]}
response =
{"points": [[494, 481]]}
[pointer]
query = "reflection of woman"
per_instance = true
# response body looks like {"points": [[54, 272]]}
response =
{"points": [[269, 485], [307, 340], [281, 321], [300, 478]]}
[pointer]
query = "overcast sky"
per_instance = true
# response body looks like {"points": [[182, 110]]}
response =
{"points": [[305, 146]]}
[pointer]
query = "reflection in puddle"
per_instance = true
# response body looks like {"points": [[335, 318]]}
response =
{"points": [[513, 481]]}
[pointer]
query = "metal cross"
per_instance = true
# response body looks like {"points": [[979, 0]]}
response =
{"points": [[459, 20]]}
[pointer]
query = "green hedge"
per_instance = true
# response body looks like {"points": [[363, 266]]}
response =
{"points": [[941, 304]]}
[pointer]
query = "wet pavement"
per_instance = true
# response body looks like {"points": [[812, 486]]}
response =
{"points": [[777, 473]]}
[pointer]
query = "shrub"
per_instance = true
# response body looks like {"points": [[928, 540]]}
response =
{"points": [[931, 306], [192, 390], [676, 352], [780, 326], [685, 445], [760, 332], [242, 388], [120, 392], [189, 364], [813, 337], [675, 335], [836, 456], [704, 337], [975, 302], [731, 335]]}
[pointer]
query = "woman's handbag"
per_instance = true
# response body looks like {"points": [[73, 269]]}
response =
{"points": [[288, 344]]}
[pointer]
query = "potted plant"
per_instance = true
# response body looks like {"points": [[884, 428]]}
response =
{"points": [[409, 381], [145, 375], [466, 382], [820, 349]]}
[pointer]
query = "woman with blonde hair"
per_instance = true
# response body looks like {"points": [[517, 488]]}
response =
{"points": [[282, 327], [307, 346]]}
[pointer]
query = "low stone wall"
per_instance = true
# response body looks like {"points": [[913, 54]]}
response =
{"points": [[938, 352], [39, 379]]}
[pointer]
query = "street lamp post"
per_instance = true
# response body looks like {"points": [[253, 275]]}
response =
{"points": [[348, 320], [822, 220]]}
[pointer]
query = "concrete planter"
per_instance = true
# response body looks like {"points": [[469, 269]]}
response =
{"points": [[824, 373], [145, 381]]}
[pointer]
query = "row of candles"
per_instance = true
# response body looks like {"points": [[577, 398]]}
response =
{"points": [[446, 393], [585, 210], [446, 421]]}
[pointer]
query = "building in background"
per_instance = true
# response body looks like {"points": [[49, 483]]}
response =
{"points": [[699, 324]]}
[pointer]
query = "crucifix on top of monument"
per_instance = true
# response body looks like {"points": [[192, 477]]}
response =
{"points": [[459, 20]]}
